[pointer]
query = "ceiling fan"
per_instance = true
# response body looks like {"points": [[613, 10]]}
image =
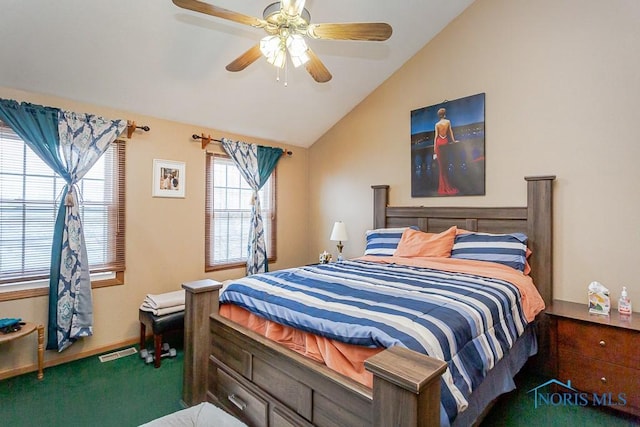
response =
{"points": [[287, 23]]}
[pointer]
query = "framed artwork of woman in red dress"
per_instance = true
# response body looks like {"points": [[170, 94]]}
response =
{"points": [[447, 148]]}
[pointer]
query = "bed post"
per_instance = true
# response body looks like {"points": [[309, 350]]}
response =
{"points": [[540, 232], [201, 299], [406, 388], [380, 202]]}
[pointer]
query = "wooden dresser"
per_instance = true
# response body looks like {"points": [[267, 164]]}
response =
{"points": [[599, 354]]}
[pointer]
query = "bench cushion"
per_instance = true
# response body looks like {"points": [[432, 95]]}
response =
{"points": [[160, 324]]}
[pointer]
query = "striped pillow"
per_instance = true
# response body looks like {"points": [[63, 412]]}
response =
{"points": [[507, 249], [384, 241]]}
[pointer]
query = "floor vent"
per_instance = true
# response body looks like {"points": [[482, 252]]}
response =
{"points": [[117, 354]]}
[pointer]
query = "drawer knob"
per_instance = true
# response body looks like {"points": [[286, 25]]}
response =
{"points": [[602, 343], [239, 403], [603, 380]]}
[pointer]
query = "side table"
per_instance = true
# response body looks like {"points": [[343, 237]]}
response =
{"points": [[598, 354], [27, 329]]}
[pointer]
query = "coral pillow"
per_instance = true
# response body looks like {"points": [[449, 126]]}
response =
{"points": [[527, 267], [416, 243]]}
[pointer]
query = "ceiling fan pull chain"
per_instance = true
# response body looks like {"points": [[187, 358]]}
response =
{"points": [[286, 73]]}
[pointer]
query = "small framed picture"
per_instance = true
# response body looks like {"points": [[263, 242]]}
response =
{"points": [[169, 178]]}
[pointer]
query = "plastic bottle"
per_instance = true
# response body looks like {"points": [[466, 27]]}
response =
{"points": [[624, 304]]}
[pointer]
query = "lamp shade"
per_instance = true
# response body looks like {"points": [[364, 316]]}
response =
{"points": [[273, 48], [339, 232], [297, 48]]}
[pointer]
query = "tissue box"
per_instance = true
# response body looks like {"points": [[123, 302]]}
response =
{"points": [[599, 302]]}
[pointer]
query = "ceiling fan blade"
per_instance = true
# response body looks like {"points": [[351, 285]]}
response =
{"points": [[316, 68], [198, 6], [365, 31], [246, 59]]}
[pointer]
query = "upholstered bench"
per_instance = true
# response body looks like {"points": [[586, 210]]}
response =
{"points": [[159, 325]]}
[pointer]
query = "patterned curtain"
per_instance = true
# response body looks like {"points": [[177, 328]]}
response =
{"points": [[255, 164], [83, 140], [70, 144]]}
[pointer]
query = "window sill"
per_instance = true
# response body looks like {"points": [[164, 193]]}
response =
{"points": [[43, 289], [229, 266]]}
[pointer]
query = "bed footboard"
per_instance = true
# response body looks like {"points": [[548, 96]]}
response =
{"points": [[201, 299], [268, 385]]}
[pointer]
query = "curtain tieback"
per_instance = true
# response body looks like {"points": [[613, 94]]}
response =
{"points": [[68, 199]]}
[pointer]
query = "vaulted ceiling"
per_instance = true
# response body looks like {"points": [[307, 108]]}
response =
{"points": [[151, 57]]}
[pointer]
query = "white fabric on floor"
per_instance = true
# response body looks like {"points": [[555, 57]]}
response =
{"points": [[202, 415]]}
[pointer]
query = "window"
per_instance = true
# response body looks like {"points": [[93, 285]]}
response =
{"points": [[29, 198], [228, 215]]}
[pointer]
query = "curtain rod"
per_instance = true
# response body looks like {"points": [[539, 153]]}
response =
{"points": [[131, 127], [207, 139]]}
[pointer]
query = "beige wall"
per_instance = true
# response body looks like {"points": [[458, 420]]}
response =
{"points": [[165, 237], [562, 97]]}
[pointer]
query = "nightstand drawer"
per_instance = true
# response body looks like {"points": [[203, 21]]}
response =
{"points": [[604, 343], [595, 376]]}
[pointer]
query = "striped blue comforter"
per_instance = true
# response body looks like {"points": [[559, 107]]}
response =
{"points": [[466, 320]]}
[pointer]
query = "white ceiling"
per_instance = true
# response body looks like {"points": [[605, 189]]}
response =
{"points": [[153, 58]]}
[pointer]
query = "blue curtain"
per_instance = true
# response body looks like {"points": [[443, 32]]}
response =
{"points": [[70, 144], [267, 160], [38, 127], [255, 164]]}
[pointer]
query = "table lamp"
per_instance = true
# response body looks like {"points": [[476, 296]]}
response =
{"points": [[339, 234]]}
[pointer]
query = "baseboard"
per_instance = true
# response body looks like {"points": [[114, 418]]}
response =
{"points": [[66, 359]]}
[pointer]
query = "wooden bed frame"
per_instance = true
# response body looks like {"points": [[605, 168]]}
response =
{"points": [[266, 384]]}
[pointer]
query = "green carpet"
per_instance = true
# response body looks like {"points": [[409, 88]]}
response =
{"points": [[127, 392], [87, 392]]}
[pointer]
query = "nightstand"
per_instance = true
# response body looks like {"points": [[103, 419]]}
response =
{"points": [[600, 355]]}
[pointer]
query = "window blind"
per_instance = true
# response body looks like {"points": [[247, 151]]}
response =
{"points": [[228, 214], [30, 193]]}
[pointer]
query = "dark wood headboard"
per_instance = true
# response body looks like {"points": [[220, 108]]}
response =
{"points": [[535, 220]]}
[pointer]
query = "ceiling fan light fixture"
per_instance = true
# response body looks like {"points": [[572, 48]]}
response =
{"points": [[269, 45], [286, 22], [299, 60], [279, 59], [273, 49], [297, 48]]}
